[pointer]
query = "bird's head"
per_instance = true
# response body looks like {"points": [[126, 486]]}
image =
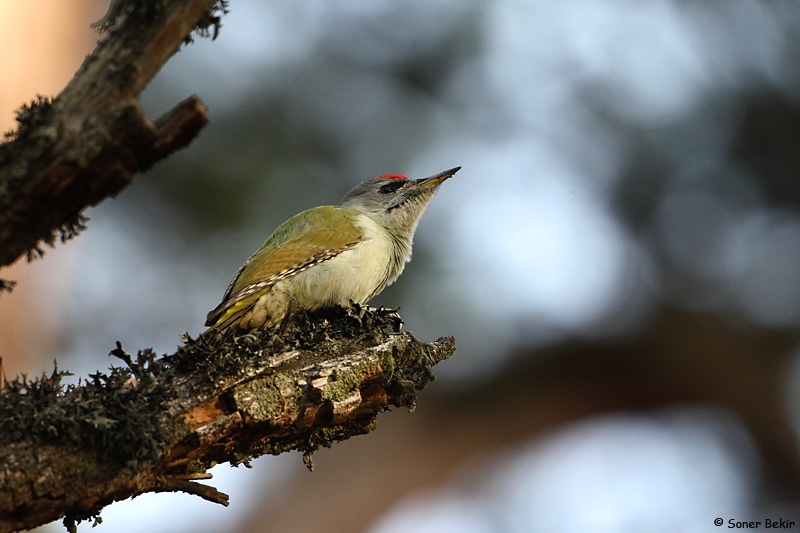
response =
{"points": [[394, 201]]}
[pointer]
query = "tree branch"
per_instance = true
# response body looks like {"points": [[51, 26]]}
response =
{"points": [[85, 145], [158, 425]]}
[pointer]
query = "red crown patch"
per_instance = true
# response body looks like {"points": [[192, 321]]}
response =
{"points": [[392, 177]]}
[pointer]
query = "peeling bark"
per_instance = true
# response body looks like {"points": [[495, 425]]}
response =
{"points": [[218, 399]]}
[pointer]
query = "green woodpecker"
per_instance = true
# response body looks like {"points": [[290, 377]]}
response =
{"points": [[329, 255]]}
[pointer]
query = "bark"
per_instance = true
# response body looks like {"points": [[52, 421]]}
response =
{"points": [[87, 143], [158, 424]]}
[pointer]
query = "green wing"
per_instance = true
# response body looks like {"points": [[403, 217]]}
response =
{"points": [[308, 238]]}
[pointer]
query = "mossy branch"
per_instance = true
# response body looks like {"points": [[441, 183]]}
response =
{"points": [[85, 145], [157, 425]]}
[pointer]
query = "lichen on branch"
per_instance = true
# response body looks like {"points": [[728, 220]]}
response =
{"points": [[157, 424]]}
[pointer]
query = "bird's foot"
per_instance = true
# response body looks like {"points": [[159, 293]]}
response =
{"points": [[380, 315]]}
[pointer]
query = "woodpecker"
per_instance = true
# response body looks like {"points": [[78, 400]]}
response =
{"points": [[329, 255]]}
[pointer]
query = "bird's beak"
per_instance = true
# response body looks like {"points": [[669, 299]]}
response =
{"points": [[436, 179]]}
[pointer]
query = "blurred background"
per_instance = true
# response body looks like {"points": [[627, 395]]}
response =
{"points": [[619, 259]]}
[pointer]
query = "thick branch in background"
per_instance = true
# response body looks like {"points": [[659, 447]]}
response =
{"points": [[158, 425], [85, 145]]}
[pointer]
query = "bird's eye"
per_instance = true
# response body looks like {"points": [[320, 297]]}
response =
{"points": [[386, 189]]}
